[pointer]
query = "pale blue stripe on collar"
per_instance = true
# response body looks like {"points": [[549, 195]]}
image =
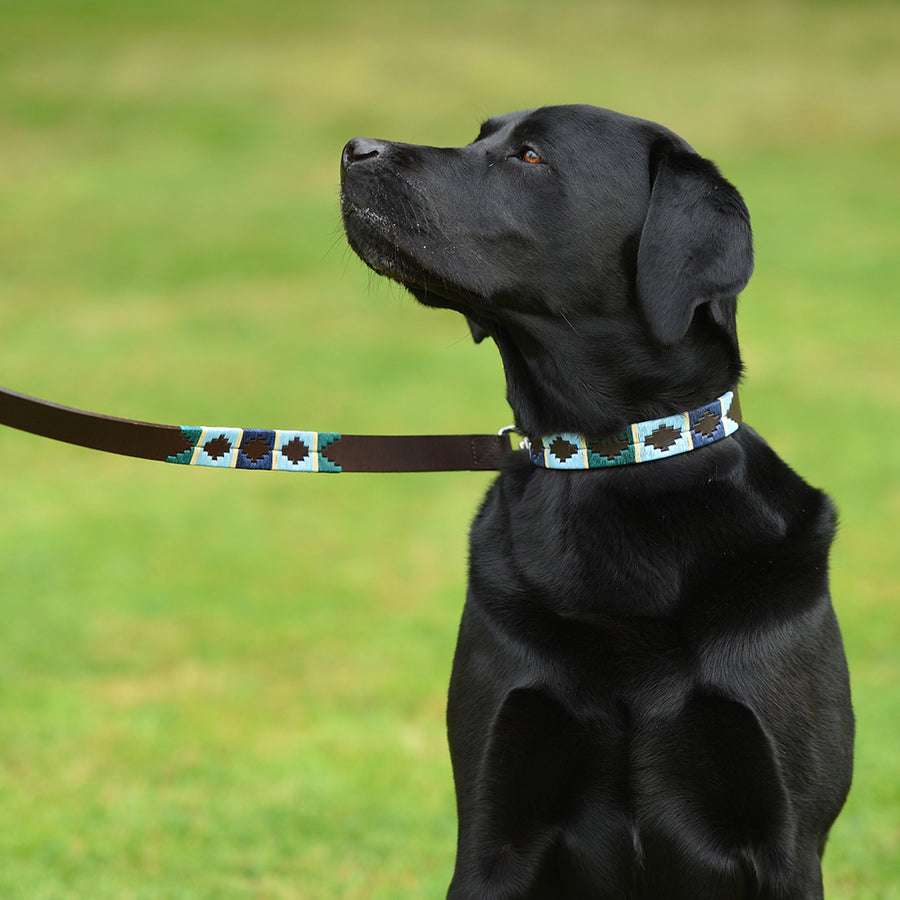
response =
{"points": [[641, 442]]}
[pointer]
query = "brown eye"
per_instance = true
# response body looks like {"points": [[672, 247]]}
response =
{"points": [[531, 156]]}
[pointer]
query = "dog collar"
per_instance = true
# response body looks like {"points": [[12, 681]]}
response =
{"points": [[643, 441]]}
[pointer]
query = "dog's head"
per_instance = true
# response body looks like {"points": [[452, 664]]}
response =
{"points": [[600, 252]]}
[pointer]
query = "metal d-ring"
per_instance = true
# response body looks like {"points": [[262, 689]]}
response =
{"points": [[524, 444]]}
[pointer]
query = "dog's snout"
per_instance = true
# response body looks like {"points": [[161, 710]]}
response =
{"points": [[359, 149]]}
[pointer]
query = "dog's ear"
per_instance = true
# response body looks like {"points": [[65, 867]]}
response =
{"points": [[695, 246], [478, 333]]}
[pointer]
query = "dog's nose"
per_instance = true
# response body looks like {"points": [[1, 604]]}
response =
{"points": [[359, 149]]}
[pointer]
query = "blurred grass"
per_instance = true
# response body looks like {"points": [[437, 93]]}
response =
{"points": [[216, 685]]}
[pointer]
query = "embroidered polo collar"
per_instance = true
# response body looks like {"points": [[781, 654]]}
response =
{"points": [[643, 441]]}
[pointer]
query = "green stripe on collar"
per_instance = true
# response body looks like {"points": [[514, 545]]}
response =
{"points": [[643, 441]]}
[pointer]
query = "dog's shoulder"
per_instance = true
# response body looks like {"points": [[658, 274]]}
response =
{"points": [[803, 518]]}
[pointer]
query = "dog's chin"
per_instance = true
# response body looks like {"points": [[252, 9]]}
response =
{"points": [[388, 260], [375, 240]]}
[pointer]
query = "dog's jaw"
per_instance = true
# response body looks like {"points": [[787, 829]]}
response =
{"points": [[377, 241], [372, 236]]}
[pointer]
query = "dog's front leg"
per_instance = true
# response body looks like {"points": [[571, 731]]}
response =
{"points": [[534, 822]]}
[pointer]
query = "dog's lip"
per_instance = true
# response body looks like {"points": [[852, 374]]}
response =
{"points": [[380, 222]]}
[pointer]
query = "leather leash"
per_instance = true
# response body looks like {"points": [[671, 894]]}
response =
{"points": [[258, 449]]}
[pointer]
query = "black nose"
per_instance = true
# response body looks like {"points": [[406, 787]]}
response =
{"points": [[359, 149]]}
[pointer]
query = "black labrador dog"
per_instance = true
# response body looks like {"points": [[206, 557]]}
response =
{"points": [[649, 698]]}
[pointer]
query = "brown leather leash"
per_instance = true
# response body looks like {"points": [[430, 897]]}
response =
{"points": [[254, 448], [317, 451]]}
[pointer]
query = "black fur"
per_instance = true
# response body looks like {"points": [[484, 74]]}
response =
{"points": [[649, 696]]}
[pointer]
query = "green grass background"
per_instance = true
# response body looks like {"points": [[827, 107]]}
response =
{"points": [[225, 685]]}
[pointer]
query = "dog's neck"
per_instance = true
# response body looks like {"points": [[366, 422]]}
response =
{"points": [[572, 381]]}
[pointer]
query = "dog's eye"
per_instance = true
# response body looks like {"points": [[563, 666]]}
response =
{"points": [[530, 155]]}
